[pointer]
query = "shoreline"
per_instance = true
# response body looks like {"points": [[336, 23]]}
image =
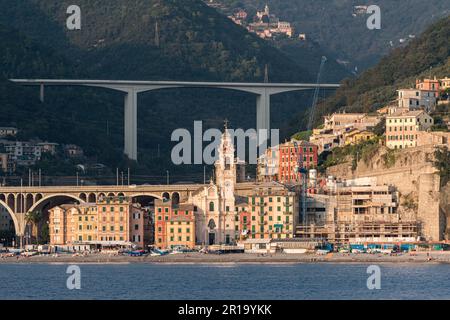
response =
{"points": [[236, 259]]}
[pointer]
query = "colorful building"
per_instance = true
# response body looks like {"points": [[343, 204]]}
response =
{"points": [[356, 136], [112, 221], [288, 160], [73, 224], [274, 214], [429, 85], [175, 225], [445, 83]]}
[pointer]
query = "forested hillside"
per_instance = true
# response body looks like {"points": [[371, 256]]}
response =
{"points": [[426, 56], [331, 23], [120, 41]]}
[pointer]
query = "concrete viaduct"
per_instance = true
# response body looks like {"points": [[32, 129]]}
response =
{"points": [[263, 92], [19, 201]]}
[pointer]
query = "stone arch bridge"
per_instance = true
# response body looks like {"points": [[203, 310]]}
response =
{"points": [[19, 201]]}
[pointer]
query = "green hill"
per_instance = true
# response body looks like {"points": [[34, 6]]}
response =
{"points": [[119, 41], [427, 55], [331, 24]]}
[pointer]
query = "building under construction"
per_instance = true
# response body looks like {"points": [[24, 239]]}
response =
{"points": [[357, 214]]}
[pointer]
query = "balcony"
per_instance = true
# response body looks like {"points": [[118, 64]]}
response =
{"points": [[287, 213]]}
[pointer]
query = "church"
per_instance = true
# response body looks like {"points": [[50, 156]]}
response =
{"points": [[215, 203]]}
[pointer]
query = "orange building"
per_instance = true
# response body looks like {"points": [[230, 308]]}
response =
{"points": [[71, 224], [429, 85], [113, 220], [288, 159], [174, 225]]}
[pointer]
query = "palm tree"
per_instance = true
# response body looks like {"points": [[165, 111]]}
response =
{"points": [[34, 218]]}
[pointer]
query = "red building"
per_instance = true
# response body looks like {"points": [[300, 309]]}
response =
{"points": [[245, 223], [289, 154]]}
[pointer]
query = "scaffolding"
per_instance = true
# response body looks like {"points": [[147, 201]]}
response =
{"points": [[346, 232]]}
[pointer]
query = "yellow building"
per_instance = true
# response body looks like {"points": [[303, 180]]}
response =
{"points": [[356, 136], [174, 225], [84, 223], [445, 83], [274, 214], [402, 128]]}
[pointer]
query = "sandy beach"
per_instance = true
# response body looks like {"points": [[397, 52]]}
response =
{"points": [[198, 258]]}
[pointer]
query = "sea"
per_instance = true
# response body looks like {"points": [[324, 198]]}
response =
{"points": [[134, 281]]}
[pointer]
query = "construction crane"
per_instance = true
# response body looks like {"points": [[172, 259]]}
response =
{"points": [[301, 166]]}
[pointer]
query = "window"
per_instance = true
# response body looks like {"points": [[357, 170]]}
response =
{"points": [[211, 206]]}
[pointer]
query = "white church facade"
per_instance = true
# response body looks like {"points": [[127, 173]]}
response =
{"points": [[216, 214]]}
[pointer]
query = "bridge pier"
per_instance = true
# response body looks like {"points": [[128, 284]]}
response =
{"points": [[130, 110], [263, 115], [42, 92]]}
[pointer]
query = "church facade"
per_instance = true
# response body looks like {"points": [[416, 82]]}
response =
{"points": [[216, 221]]}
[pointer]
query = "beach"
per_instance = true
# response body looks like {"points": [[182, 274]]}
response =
{"points": [[199, 258]]}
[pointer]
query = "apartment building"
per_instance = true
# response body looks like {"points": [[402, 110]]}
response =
{"points": [[414, 99], [274, 213], [73, 224], [290, 155], [432, 85], [282, 163], [112, 221], [24, 153], [402, 128], [339, 122], [174, 225]]}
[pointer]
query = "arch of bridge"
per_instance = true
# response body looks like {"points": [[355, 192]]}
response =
{"points": [[55, 195], [13, 216]]}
